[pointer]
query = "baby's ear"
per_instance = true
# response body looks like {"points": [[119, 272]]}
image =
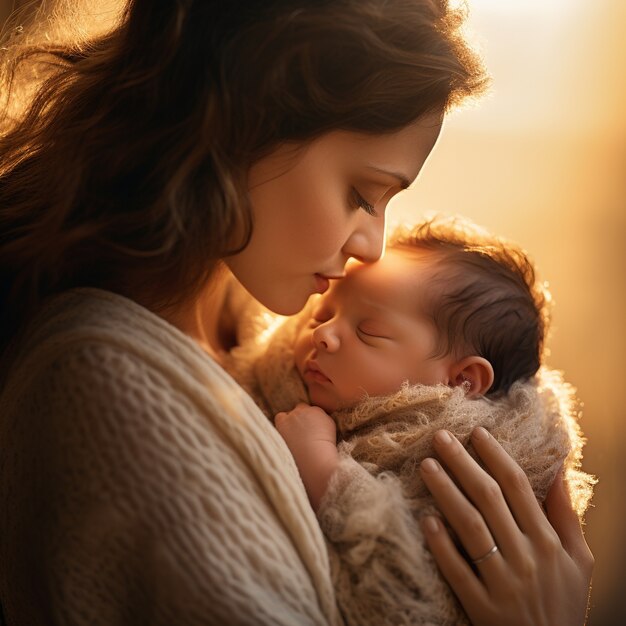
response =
{"points": [[476, 371]]}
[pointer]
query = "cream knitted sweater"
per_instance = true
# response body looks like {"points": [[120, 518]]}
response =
{"points": [[141, 485], [382, 570]]}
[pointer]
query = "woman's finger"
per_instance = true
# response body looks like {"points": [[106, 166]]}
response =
{"points": [[483, 491], [541, 581], [566, 523], [513, 484], [467, 523], [561, 515], [453, 566]]}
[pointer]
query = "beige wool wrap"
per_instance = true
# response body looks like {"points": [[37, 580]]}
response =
{"points": [[382, 571]]}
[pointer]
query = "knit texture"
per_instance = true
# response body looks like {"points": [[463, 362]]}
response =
{"points": [[141, 485], [382, 570]]}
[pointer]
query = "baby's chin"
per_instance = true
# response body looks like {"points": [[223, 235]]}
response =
{"points": [[323, 401]]}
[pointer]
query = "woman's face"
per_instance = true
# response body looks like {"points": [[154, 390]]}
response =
{"points": [[316, 205]]}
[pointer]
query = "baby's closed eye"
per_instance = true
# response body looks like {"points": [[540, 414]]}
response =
{"points": [[372, 333]]}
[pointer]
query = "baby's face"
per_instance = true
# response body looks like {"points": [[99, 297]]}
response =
{"points": [[367, 336]]}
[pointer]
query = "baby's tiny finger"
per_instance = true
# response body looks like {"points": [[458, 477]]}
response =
{"points": [[280, 418]]}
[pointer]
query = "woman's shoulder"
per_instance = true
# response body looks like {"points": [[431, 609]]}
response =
{"points": [[117, 439], [91, 332], [99, 389], [103, 359], [95, 360], [98, 316]]}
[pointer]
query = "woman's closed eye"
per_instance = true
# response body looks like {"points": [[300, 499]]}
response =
{"points": [[359, 202]]}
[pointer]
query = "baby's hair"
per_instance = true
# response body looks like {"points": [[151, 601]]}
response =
{"points": [[487, 299]]}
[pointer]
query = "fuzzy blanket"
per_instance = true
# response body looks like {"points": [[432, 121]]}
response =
{"points": [[382, 570]]}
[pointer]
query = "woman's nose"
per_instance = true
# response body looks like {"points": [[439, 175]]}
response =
{"points": [[367, 241], [325, 338]]}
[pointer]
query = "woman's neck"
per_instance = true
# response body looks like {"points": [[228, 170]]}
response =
{"points": [[204, 319]]}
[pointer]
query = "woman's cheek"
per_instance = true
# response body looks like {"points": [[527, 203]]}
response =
{"points": [[327, 241]]}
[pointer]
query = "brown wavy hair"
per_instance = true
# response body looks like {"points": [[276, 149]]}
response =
{"points": [[128, 169], [487, 299]]}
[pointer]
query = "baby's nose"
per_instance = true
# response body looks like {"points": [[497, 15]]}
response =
{"points": [[325, 338]]}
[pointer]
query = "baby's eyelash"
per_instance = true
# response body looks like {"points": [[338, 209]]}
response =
{"points": [[361, 202], [370, 335]]}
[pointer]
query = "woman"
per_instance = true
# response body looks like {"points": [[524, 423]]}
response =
{"points": [[194, 140]]}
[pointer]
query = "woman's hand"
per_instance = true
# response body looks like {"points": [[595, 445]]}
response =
{"points": [[311, 436], [540, 574]]}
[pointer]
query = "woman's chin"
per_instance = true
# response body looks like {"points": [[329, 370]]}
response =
{"points": [[286, 304]]}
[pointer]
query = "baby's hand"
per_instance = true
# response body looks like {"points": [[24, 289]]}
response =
{"points": [[304, 425], [311, 435]]}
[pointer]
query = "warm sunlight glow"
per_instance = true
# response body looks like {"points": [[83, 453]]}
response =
{"points": [[539, 7], [541, 160], [556, 65]]}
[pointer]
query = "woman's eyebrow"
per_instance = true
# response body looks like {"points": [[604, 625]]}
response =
{"points": [[401, 178]]}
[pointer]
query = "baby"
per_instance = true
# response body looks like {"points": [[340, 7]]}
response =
{"points": [[437, 309], [445, 331]]}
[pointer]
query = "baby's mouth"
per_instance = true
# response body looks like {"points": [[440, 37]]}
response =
{"points": [[314, 372]]}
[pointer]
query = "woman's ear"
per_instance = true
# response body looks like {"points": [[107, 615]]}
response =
{"points": [[476, 371]]}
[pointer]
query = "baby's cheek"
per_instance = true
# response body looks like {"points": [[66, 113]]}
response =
{"points": [[383, 381], [323, 399]]}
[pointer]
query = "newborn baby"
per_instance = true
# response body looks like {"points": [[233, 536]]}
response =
{"points": [[445, 331]]}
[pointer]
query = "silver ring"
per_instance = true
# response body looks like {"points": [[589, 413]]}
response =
{"points": [[486, 556]]}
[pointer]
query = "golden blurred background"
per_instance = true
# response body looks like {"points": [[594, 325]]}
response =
{"points": [[542, 160]]}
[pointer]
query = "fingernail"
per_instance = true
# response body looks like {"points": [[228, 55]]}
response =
{"points": [[430, 465], [430, 524], [443, 436], [480, 433]]}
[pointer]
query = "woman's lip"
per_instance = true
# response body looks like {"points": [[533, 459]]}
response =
{"points": [[321, 283], [333, 276]]}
